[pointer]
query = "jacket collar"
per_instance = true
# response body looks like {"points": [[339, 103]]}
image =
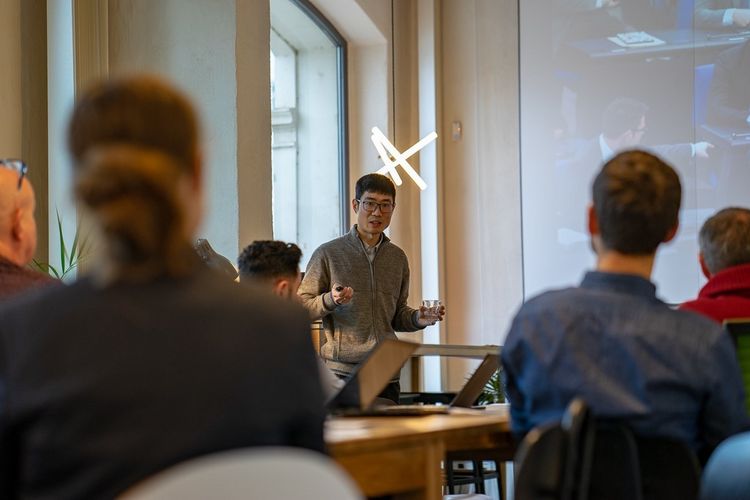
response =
{"points": [[734, 280], [353, 237], [621, 283]]}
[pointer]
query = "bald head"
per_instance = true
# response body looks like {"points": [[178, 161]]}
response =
{"points": [[17, 225]]}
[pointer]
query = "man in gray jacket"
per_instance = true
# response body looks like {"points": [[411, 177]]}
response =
{"points": [[358, 284]]}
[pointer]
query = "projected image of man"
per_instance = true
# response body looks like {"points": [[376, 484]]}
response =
{"points": [[624, 125], [729, 97]]}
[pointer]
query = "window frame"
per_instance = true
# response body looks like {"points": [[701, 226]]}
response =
{"points": [[342, 102]]}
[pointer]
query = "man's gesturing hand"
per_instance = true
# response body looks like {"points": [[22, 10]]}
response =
{"points": [[341, 294]]}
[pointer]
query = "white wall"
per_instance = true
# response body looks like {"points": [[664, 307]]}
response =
{"points": [[253, 121], [482, 200], [10, 83], [218, 53]]}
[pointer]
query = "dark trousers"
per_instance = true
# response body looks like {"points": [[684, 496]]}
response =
{"points": [[391, 391]]}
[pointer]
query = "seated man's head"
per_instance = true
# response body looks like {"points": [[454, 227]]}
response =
{"points": [[374, 202], [636, 204], [272, 262], [725, 240], [17, 225], [624, 123]]}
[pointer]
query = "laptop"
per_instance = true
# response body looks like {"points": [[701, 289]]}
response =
{"points": [[372, 375], [345, 404], [739, 329], [464, 399]]}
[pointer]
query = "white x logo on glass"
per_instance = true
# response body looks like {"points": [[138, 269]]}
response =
{"points": [[386, 150]]}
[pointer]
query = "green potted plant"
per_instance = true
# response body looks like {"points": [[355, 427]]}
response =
{"points": [[69, 258], [493, 392]]}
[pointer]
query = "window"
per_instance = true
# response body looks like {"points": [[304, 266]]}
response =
{"points": [[308, 108]]}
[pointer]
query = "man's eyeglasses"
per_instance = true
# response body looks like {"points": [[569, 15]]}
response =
{"points": [[370, 206], [17, 165]]}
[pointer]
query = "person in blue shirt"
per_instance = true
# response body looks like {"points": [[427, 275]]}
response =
{"points": [[611, 341]]}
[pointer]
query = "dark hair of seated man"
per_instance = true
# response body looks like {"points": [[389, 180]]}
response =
{"points": [[636, 200], [268, 259]]}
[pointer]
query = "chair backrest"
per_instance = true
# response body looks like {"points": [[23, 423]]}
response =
{"points": [[268, 473], [626, 466], [552, 461], [579, 425], [739, 330], [727, 473], [615, 471], [669, 469], [540, 463]]}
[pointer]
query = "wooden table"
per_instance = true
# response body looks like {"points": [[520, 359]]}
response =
{"points": [[403, 455]]}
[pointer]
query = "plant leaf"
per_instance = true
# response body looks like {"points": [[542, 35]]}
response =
{"points": [[74, 247], [40, 266], [63, 251], [53, 271], [46, 268]]}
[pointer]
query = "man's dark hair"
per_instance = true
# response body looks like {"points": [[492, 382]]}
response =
{"points": [[269, 259], [374, 183], [621, 115], [725, 239], [637, 201]]}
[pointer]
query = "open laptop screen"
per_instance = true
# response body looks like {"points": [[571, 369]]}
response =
{"points": [[740, 332], [475, 385], [373, 374]]}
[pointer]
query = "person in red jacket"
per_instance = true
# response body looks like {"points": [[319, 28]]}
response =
{"points": [[725, 261]]}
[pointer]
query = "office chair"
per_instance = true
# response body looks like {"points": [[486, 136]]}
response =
{"points": [[553, 460], [615, 470], [626, 466], [214, 260], [726, 475], [540, 464], [669, 469]]}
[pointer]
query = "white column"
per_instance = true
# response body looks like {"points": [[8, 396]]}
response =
{"points": [[430, 201]]}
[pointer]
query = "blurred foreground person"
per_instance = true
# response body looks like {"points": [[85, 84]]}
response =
{"points": [[153, 358], [17, 231]]}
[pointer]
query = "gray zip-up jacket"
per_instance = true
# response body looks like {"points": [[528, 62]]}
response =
{"points": [[378, 307]]}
